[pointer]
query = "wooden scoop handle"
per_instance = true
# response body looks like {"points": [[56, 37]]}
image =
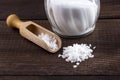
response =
{"points": [[14, 21]]}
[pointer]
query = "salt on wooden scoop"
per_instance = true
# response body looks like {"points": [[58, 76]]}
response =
{"points": [[31, 30]]}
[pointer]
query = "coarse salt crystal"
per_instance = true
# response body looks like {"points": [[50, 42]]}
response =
{"points": [[75, 66], [77, 63], [94, 47], [77, 53], [49, 40]]}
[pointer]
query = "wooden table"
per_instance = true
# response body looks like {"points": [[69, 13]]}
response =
{"points": [[20, 59]]}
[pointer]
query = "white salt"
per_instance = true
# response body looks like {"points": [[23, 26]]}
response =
{"points": [[77, 53], [77, 63], [74, 66], [94, 47], [72, 17], [49, 40]]}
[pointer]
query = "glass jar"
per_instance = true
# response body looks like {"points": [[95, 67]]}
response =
{"points": [[71, 18]]}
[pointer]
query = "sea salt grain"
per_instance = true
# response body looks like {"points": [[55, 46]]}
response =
{"points": [[77, 53], [49, 40], [94, 47], [74, 66], [77, 63]]}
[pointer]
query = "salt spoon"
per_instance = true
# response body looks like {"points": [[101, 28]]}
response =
{"points": [[31, 30]]}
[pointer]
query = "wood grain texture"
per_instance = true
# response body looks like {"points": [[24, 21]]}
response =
{"points": [[59, 77], [110, 9], [34, 9], [20, 59], [19, 56], [27, 9]]}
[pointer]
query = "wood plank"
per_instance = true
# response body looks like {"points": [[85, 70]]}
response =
{"points": [[110, 9], [34, 9], [19, 56], [60, 77], [27, 9]]}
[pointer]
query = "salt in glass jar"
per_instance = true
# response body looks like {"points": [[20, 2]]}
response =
{"points": [[70, 18]]}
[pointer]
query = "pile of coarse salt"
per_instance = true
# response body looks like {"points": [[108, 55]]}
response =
{"points": [[49, 40], [77, 53]]}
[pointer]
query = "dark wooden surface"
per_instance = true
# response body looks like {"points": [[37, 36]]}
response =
{"points": [[59, 78], [34, 9], [20, 59]]}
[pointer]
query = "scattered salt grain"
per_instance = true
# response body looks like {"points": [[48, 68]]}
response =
{"points": [[77, 63], [49, 40], [77, 53], [94, 47], [74, 66], [59, 55], [90, 45]]}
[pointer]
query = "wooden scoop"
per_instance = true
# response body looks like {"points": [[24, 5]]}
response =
{"points": [[31, 30]]}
